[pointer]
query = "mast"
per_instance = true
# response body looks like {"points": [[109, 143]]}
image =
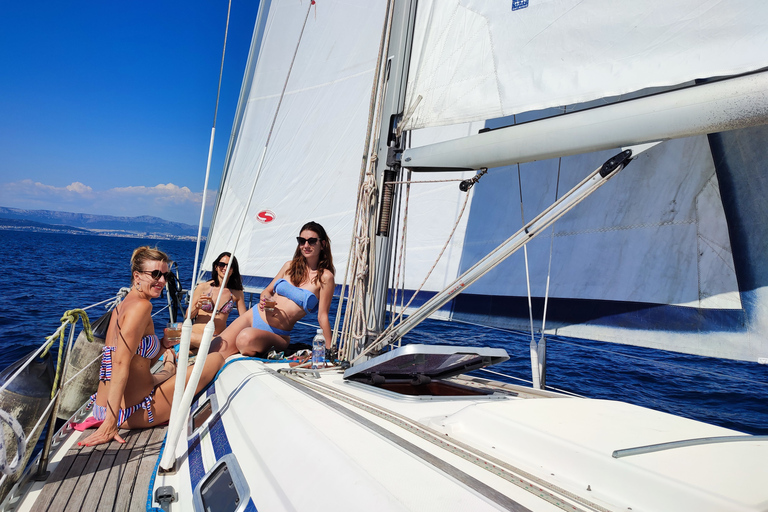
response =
{"points": [[389, 147]]}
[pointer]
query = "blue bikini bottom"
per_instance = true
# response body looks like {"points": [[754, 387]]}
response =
{"points": [[258, 323]]}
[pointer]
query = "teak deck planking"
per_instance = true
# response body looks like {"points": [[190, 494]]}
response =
{"points": [[108, 477]]}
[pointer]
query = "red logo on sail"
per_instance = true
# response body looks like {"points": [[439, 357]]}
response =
{"points": [[265, 216]]}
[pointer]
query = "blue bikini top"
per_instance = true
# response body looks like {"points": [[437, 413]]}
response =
{"points": [[305, 299]]}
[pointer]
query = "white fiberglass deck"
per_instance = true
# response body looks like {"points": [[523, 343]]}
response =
{"points": [[308, 443]]}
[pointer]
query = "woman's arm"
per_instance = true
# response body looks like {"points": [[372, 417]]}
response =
{"points": [[269, 291], [169, 368], [131, 326], [239, 297], [194, 305], [326, 296]]}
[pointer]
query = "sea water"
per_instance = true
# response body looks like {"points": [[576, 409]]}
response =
{"points": [[47, 274]]}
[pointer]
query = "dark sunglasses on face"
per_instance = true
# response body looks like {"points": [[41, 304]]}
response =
{"points": [[157, 274], [302, 241], [221, 265]]}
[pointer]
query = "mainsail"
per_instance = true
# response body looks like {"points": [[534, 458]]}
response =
{"points": [[311, 167]]}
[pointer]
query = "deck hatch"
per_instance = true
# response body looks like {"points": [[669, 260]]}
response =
{"points": [[423, 363], [203, 415], [223, 488]]}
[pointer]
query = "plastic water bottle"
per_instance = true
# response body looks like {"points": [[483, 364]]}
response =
{"points": [[318, 350]]}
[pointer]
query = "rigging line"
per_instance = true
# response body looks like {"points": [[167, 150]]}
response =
{"points": [[404, 252], [551, 249], [403, 240], [288, 76], [160, 310], [525, 247], [99, 303], [409, 182], [221, 69], [559, 339], [529, 382], [195, 277], [365, 188], [182, 396], [415, 293], [525, 254]]}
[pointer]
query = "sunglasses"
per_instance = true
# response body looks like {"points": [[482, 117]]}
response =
{"points": [[221, 265], [302, 241], [157, 274]]}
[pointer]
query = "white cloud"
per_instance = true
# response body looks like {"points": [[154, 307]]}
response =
{"points": [[78, 188], [167, 201]]}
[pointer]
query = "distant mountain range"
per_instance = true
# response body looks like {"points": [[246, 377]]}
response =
{"points": [[84, 223]]}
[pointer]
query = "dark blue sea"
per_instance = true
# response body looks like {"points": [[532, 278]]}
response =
{"points": [[47, 274]]}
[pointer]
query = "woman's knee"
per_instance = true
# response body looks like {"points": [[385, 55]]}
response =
{"points": [[247, 342]]}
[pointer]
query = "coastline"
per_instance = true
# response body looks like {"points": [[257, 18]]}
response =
{"points": [[97, 232]]}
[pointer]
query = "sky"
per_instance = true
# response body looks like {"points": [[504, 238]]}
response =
{"points": [[106, 107]]}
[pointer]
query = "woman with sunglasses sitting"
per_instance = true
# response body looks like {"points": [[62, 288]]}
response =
{"points": [[204, 298], [303, 285], [129, 396]]}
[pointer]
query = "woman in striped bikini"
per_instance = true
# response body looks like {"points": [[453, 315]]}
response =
{"points": [[129, 396]]}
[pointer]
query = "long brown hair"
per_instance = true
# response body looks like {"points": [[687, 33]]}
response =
{"points": [[234, 282], [298, 271]]}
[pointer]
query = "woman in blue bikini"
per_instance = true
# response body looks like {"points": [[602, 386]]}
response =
{"points": [[129, 396], [303, 285], [206, 294]]}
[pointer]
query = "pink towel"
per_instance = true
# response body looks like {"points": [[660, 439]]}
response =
{"points": [[89, 422]]}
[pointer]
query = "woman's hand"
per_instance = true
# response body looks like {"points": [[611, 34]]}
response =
{"points": [[264, 298], [104, 434], [169, 368]]}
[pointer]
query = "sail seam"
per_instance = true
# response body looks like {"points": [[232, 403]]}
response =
{"points": [[313, 87], [624, 228]]}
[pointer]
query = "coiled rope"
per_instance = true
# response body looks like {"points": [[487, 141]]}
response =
{"points": [[355, 329], [70, 317]]}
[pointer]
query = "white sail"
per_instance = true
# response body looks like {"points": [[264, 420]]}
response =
{"points": [[482, 59], [313, 159], [666, 255]]}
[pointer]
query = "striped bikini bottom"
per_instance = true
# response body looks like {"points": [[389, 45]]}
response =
{"points": [[100, 412]]}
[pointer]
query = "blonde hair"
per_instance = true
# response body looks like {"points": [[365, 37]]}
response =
{"points": [[144, 254]]}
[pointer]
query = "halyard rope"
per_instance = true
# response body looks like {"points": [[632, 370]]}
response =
{"points": [[354, 329]]}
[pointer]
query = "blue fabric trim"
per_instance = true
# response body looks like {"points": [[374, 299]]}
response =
{"points": [[248, 358], [151, 488], [219, 438], [195, 461]]}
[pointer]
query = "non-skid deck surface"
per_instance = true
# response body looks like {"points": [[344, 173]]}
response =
{"points": [[109, 477]]}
